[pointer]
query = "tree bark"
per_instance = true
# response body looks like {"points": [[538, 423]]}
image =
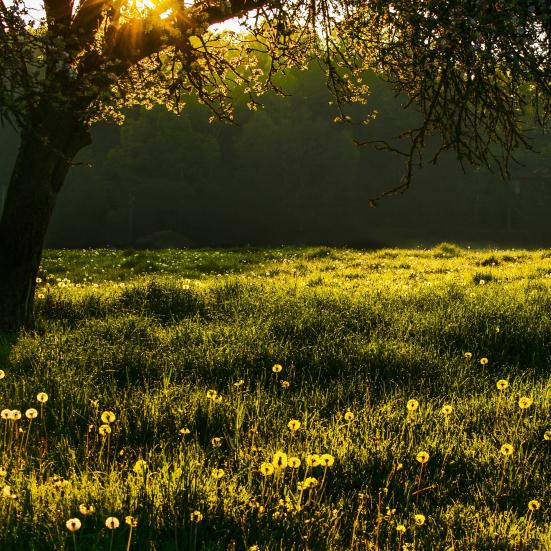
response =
{"points": [[47, 149]]}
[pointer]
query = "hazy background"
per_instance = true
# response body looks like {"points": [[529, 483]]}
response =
{"points": [[285, 174]]}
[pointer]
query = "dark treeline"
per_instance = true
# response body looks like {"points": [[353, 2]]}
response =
{"points": [[285, 174]]}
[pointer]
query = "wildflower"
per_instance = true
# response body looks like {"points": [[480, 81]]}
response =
{"points": [[5, 413], [422, 457], [279, 461], [293, 462], [3, 472], [196, 516], [277, 368], [112, 523], [525, 402], [217, 473], [184, 431], [73, 524], [419, 519], [86, 510], [447, 409], [313, 460], [327, 460], [533, 505], [31, 413], [15, 415], [412, 405], [484, 361], [349, 416], [108, 417], [267, 469], [294, 425], [216, 442], [400, 528], [131, 521], [140, 466], [468, 355], [502, 384], [104, 429], [239, 383], [311, 482], [285, 384], [2, 373], [211, 394], [42, 397], [507, 450], [547, 435], [6, 491]]}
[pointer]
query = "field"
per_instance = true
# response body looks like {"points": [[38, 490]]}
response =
{"points": [[280, 399]]}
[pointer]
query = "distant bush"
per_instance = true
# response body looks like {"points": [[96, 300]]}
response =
{"points": [[444, 250]]}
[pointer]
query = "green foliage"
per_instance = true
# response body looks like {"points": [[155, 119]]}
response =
{"points": [[193, 345]]}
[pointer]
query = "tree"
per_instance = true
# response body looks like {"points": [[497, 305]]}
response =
{"points": [[473, 68]]}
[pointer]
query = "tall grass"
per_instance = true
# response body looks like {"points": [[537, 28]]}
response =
{"points": [[164, 405]]}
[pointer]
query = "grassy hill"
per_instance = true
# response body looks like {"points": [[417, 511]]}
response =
{"points": [[281, 399]]}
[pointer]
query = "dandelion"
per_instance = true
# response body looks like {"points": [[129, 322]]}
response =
{"points": [[525, 402], [104, 430], [15, 415], [422, 457], [277, 368], [196, 516], [310, 482], [400, 528], [533, 505], [507, 450], [5, 413], [31, 413], [73, 524], [108, 417], [419, 519], [293, 462], [294, 425], [140, 466], [112, 523], [6, 491], [412, 405], [86, 510], [349, 416], [185, 431], [313, 460], [239, 383], [2, 373], [468, 355], [447, 409], [502, 384], [484, 361], [267, 469], [211, 394], [217, 474], [42, 397], [216, 442], [547, 435], [285, 384], [3, 473], [327, 460], [279, 460], [131, 521]]}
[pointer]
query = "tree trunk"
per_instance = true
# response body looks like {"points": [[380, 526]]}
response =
{"points": [[47, 149]]}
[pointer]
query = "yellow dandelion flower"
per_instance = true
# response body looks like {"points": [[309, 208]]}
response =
{"points": [[293, 462], [140, 466], [267, 469], [196, 516], [112, 523], [502, 384], [131, 521], [279, 461], [2, 373], [6, 491], [73, 524], [285, 384], [412, 405], [312, 460], [400, 528], [507, 450], [86, 510], [310, 482], [525, 402], [468, 355], [42, 397], [3, 472], [484, 361], [300, 486], [31, 413], [217, 399], [277, 368], [422, 457], [211, 394], [294, 425], [217, 473], [447, 409], [349, 416], [547, 435], [419, 519], [534, 505], [104, 430], [216, 442], [5, 413], [185, 431], [327, 460], [15, 415], [108, 417]]}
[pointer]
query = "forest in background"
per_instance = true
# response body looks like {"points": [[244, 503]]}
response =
{"points": [[285, 173]]}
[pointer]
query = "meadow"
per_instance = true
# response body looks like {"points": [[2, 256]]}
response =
{"points": [[280, 399]]}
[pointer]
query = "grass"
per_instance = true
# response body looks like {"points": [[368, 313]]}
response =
{"points": [[180, 346]]}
